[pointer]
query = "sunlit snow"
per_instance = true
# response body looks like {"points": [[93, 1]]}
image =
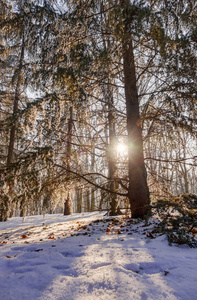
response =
{"points": [[77, 257]]}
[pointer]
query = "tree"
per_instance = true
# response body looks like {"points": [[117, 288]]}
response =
{"points": [[68, 202], [140, 29], [85, 72], [138, 190], [27, 165]]}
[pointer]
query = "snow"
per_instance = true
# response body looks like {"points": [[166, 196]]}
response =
{"points": [[79, 258]]}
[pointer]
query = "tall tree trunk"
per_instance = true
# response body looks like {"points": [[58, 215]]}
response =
{"points": [[111, 149], [6, 204], [112, 168], [183, 166], [92, 169], [138, 190], [15, 107], [79, 200], [87, 200], [68, 202]]}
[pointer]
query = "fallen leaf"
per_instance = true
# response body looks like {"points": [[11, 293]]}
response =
{"points": [[115, 221], [51, 237], [24, 236], [149, 235], [118, 231], [166, 273]]}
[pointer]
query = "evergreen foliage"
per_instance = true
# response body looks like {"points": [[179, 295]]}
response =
{"points": [[178, 219], [127, 71]]}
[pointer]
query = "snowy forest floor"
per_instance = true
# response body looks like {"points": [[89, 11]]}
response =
{"points": [[90, 256]]}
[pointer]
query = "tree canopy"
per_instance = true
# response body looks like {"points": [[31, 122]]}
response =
{"points": [[81, 78]]}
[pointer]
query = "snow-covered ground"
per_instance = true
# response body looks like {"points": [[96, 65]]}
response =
{"points": [[79, 258]]}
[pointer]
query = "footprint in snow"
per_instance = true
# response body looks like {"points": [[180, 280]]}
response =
{"points": [[72, 254], [30, 255], [132, 267], [34, 263], [61, 267], [26, 249], [19, 248], [100, 265], [144, 268], [23, 270], [150, 268], [66, 270]]}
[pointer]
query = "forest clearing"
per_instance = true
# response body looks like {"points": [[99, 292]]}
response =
{"points": [[98, 139], [92, 256]]}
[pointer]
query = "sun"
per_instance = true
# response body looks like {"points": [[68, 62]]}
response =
{"points": [[122, 149]]}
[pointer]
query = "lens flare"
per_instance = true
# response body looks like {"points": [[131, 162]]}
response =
{"points": [[122, 149]]}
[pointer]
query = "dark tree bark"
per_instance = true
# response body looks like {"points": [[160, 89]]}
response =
{"points": [[5, 205], [68, 205], [4, 209], [138, 190], [112, 168], [79, 200], [92, 169], [68, 202], [87, 197], [111, 147], [15, 108]]}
